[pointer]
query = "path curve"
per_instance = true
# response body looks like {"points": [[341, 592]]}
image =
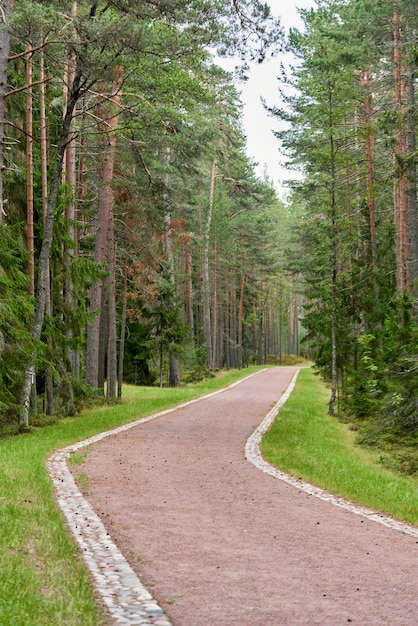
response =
{"points": [[219, 543]]}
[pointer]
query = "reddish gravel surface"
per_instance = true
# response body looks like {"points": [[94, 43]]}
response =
{"points": [[219, 543]]}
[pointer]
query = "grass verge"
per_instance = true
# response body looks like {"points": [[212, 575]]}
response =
{"points": [[43, 579], [306, 442]]}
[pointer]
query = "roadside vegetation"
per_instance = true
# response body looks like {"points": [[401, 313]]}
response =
{"points": [[307, 442]]}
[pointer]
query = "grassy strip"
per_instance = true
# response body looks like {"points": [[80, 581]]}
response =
{"points": [[43, 580], [305, 442]]}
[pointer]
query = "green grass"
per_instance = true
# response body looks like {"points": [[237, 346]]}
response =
{"points": [[306, 442], [43, 580]]}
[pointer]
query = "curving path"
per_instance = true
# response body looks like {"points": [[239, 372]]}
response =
{"points": [[217, 542]]}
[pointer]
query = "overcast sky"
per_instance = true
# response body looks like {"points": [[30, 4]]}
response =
{"points": [[262, 146]]}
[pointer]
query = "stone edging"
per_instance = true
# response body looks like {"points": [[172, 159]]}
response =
{"points": [[120, 589], [254, 456]]}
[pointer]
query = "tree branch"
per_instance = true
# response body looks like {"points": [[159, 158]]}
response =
{"points": [[19, 89]]}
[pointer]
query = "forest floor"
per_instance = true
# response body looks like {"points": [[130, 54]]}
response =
{"points": [[218, 542]]}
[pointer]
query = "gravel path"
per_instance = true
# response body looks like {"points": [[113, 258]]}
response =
{"points": [[217, 542]]}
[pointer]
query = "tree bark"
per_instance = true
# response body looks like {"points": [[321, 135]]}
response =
{"points": [[111, 351], [214, 308], [96, 334], [70, 177], [370, 182], [29, 174], [189, 290], [5, 15], [30, 228], [173, 362], [403, 276], [43, 264], [43, 136], [206, 272], [334, 262], [412, 177], [240, 319], [122, 330]]}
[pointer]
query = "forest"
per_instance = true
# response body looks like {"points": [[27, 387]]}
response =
{"points": [[137, 244]]}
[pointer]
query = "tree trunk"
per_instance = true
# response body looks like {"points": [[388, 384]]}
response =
{"points": [[70, 177], [43, 136], [370, 182], [334, 261], [240, 319], [161, 364], [214, 309], [96, 334], [260, 333], [206, 272], [227, 337], [189, 291], [43, 264], [5, 15], [233, 323], [29, 174], [111, 350], [412, 177], [174, 370], [30, 228], [403, 277], [296, 325], [173, 362], [221, 331], [122, 330], [280, 327]]}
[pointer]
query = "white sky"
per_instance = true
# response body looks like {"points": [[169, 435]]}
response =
{"points": [[258, 126]]}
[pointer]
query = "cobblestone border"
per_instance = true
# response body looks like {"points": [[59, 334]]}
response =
{"points": [[123, 594], [254, 456]]}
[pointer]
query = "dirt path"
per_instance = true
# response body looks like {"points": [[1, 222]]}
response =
{"points": [[219, 543]]}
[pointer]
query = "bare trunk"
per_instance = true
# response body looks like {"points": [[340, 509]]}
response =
{"points": [[227, 342], [370, 181], [214, 308], [43, 264], [206, 272], [29, 174], [161, 363], [403, 276], [280, 327], [5, 15], [30, 228], [334, 371], [260, 334], [412, 177], [334, 263], [122, 330], [49, 380], [233, 324], [189, 291], [111, 350], [296, 325], [174, 370], [70, 177], [221, 331], [173, 362], [240, 319], [95, 334]]}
